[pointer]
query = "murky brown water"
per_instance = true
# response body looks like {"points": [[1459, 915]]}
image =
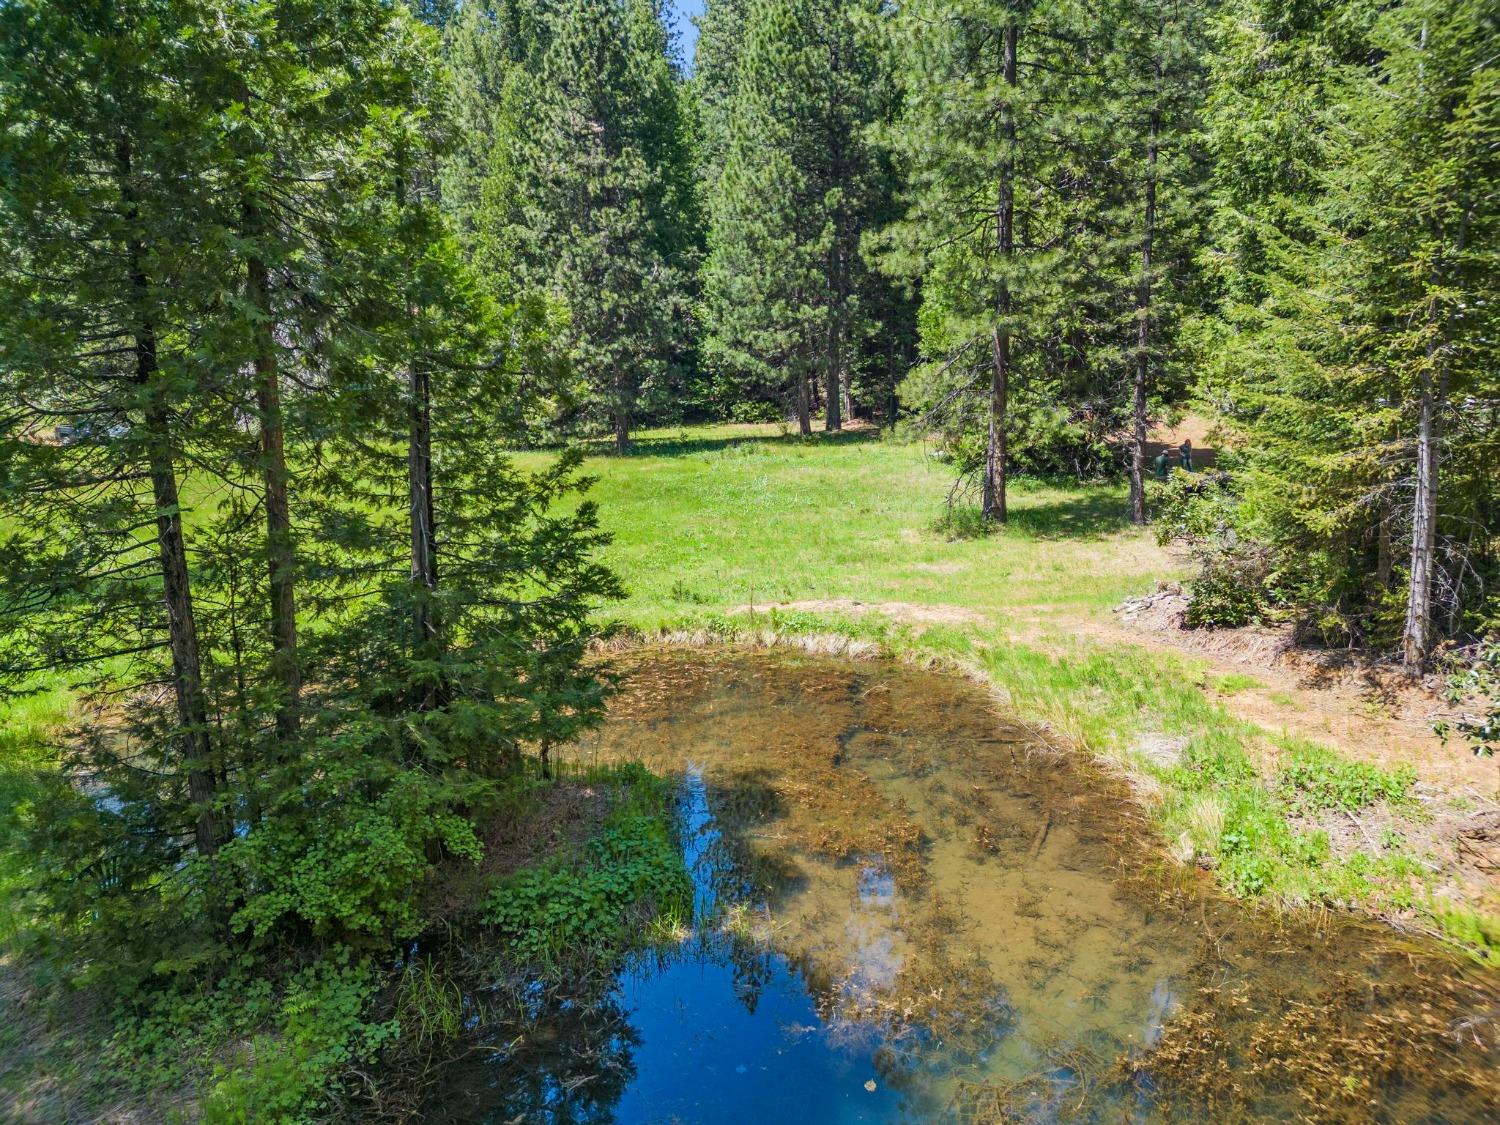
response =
{"points": [[911, 909]]}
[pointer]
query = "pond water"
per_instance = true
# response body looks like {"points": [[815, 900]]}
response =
{"points": [[911, 909]]}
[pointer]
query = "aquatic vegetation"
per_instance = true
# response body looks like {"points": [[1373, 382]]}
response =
{"points": [[911, 909]]}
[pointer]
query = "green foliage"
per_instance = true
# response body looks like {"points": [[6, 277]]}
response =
{"points": [[794, 188], [1315, 780], [350, 867], [1235, 584], [260, 1048], [1093, 141], [1356, 268], [1229, 589], [596, 902], [1195, 508], [1476, 682], [1477, 932], [321, 1029], [577, 193]]}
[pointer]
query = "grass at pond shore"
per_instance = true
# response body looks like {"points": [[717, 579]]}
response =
{"points": [[734, 531]]}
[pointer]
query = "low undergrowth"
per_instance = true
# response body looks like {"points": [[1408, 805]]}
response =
{"points": [[598, 900], [290, 1035]]}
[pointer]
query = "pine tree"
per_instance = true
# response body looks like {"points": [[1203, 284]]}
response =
{"points": [[597, 184], [204, 205], [101, 179], [1152, 84], [721, 37], [789, 209], [1361, 307], [996, 187]]}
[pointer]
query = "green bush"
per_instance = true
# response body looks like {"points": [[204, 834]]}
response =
{"points": [[1229, 590], [293, 1072], [1475, 683], [349, 868], [1196, 508], [594, 901]]}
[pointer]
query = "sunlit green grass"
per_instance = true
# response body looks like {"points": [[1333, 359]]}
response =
{"points": [[728, 516], [707, 521]]}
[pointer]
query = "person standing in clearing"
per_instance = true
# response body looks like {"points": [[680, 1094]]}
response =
{"points": [[1185, 454], [1162, 466]]}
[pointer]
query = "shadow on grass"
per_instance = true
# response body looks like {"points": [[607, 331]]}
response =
{"points": [[686, 445], [1082, 514]]}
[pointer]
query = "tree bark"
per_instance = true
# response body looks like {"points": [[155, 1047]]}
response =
{"points": [[280, 553], [1416, 639], [835, 420], [177, 595], [804, 409], [1143, 313], [995, 440], [419, 495], [1432, 395], [621, 431]]}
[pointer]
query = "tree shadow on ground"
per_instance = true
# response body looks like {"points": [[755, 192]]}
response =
{"points": [[686, 445], [1082, 514]]}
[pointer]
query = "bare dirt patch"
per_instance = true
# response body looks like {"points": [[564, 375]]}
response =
{"points": [[909, 613], [1460, 845]]}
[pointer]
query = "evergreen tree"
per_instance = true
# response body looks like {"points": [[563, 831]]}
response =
{"points": [[100, 160], [1359, 304], [721, 37], [595, 183], [996, 187], [1149, 178], [797, 191], [222, 243]]}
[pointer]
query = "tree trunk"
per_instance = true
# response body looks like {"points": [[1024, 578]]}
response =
{"points": [[280, 554], [177, 594], [1143, 315], [622, 432], [1416, 639], [995, 440], [1432, 395], [419, 479], [804, 410], [835, 419]]}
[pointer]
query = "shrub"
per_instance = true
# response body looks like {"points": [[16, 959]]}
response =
{"points": [[348, 867], [1475, 683], [1230, 589], [596, 900]]}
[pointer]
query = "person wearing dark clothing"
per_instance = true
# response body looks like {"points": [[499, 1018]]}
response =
{"points": [[1185, 454], [1162, 466]]}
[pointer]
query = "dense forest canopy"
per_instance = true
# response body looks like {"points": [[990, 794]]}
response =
{"points": [[282, 281]]}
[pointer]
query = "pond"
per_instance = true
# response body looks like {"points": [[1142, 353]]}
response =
{"points": [[909, 908]]}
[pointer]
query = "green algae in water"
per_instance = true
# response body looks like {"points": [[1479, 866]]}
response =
{"points": [[910, 909]]}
